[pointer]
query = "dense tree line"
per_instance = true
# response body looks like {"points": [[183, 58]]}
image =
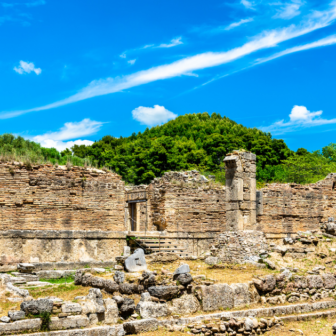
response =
{"points": [[192, 141]]}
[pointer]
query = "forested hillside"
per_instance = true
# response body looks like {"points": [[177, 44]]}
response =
{"points": [[192, 141]]}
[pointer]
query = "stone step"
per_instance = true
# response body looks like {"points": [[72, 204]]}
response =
{"points": [[159, 244], [301, 310], [168, 249]]}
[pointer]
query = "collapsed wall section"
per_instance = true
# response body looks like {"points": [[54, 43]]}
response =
{"points": [[187, 202]]}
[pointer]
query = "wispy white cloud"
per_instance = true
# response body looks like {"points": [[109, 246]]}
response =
{"points": [[70, 130], [131, 61], [330, 40], [299, 118], [27, 4], [187, 65], [26, 67], [19, 19], [248, 4], [237, 24], [289, 10], [173, 43], [152, 116], [35, 3]]}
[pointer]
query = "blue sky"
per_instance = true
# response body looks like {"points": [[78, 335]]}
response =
{"points": [[74, 71]]}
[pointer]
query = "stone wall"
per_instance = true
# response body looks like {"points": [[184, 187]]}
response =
{"points": [[50, 214], [289, 208], [59, 246], [187, 202], [60, 198], [240, 246]]}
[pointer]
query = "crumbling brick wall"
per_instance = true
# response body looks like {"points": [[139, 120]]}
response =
{"points": [[187, 202], [289, 208], [60, 198]]}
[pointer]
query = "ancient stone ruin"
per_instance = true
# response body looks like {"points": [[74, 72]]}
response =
{"points": [[161, 255]]}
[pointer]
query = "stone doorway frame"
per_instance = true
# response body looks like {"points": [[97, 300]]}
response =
{"points": [[132, 199]]}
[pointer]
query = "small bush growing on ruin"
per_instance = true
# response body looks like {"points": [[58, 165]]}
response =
{"points": [[45, 317], [11, 171], [28, 166]]}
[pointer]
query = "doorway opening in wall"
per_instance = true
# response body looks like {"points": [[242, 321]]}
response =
{"points": [[334, 186], [132, 208]]}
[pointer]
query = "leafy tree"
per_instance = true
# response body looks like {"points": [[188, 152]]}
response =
{"points": [[329, 152]]}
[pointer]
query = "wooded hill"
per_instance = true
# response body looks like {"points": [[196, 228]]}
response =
{"points": [[192, 141]]}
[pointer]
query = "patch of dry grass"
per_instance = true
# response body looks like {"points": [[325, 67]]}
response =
{"points": [[163, 332], [320, 327], [67, 292], [230, 274]]}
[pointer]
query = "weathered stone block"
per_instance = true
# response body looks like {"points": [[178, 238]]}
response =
{"points": [[186, 304], [314, 281], [16, 315], [70, 308], [148, 309], [142, 326], [216, 297], [111, 311], [70, 322], [136, 262], [29, 325], [329, 280], [164, 292]]}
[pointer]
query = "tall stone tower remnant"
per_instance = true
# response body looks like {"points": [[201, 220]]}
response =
{"points": [[240, 177]]}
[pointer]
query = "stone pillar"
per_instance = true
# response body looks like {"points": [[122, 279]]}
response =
{"points": [[240, 190]]}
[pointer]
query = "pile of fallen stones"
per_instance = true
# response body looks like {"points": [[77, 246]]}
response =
{"points": [[303, 244], [329, 227], [246, 246], [230, 326], [292, 288], [86, 312]]}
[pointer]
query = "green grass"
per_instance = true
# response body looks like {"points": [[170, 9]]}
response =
{"points": [[67, 280]]}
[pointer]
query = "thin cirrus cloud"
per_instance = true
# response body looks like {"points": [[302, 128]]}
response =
{"points": [[330, 40], [26, 68], [173, 43], [27, 4], [70, 130], [299, 118], [248, 4], [152, 116], [237, 24], [289, 10], [267, 39], [131, 62]]}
